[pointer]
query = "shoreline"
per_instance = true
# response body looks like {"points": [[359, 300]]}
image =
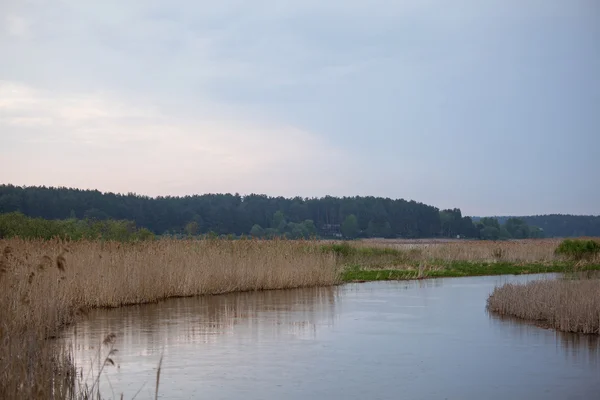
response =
{"points": [[459, 270], [566, 305]]}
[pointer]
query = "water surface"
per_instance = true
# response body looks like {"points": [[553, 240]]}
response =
{"points": [[430, 339]]}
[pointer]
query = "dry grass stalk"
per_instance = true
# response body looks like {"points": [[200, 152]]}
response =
{"points": [[566, 305], [36, 301], [61, 262], [158, 378]]}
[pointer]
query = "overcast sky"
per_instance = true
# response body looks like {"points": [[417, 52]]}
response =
{"points": [[490, 106]]}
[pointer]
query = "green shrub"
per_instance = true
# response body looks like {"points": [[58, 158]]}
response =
{"points": [[18, 225], [145, 234], [576, 249], [343, 249]]}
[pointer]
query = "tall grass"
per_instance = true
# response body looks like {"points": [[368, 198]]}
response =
{"points": [[372, 257], [47, 284], [541, 251], [567, 305]]}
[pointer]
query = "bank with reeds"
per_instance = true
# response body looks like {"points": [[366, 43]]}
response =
{"points": [[570, 305], [400, 260], [47, 284]]}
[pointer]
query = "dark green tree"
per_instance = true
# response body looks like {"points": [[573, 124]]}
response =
{"points": [[279, 222], [490, 233], [350, 227], [192, 228], [517, 228], [379, 228], [257, 231]]}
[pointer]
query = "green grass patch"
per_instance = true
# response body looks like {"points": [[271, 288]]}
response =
{"points": [[459, 269], [378, 275]]}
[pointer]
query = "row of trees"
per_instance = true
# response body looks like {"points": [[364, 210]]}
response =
{"points": [[280, 226], [265, 216], [454, 225], [513, 228], [559, 225], [225, 213], [16, 224]]}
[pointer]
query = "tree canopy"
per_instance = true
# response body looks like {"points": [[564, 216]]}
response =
{"points": [[265, 216]]}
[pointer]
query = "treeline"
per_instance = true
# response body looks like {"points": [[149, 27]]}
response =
{"points": [[513, 228], [261, 215], [226, 213], [560, 225]]}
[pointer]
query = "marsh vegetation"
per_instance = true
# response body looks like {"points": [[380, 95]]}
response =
{"points": [[570, 305], [412, 259], [45, 285]]}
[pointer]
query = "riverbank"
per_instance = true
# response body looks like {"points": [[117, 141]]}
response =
{"points": [[45, 285], [459, 269], [569, 305], [398, 260]]}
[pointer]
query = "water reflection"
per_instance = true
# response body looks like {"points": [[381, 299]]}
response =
{"points": [[578, 348], [429, 339], [144, 332], [584, 349]]}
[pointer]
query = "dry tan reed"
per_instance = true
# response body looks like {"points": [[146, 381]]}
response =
{"points": [[515, 251], [566, 305], [46, 284]]}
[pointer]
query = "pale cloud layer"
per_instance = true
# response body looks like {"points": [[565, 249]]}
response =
{"points": [[487, 106], [97, 141]]}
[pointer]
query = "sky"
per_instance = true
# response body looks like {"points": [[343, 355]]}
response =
{"points": [[492, 107]]}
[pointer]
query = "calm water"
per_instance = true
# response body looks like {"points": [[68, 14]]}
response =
{"points": [[429, 339]]}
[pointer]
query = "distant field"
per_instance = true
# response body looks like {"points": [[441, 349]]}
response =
{"points": [[443, 250], [430, 241], [411, 241], [392, 259]]}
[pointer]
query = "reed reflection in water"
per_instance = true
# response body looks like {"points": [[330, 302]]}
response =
{"points": [[177, 327], [430, 339]]}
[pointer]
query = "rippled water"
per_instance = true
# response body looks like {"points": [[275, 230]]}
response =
{"points": [[430, 339]]}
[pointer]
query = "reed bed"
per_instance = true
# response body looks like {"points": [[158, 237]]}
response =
{"points": [[47, 284], [567, 305], [514, 251]]}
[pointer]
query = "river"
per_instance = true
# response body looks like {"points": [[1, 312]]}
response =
{"points": [[428, 339]]}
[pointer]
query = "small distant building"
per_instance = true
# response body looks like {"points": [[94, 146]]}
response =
{"points": [[331, 230]]}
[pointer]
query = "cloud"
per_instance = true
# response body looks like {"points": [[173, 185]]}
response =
{"points": [[101, 139], [453, 105], [16, 26]]}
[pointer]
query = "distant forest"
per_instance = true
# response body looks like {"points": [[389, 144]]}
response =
{"points": [[560, 225], [264, 216]]}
